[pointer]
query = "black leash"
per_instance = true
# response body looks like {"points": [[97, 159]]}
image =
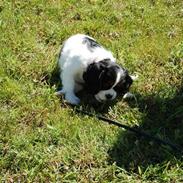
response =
{"points": [[141, 133]]}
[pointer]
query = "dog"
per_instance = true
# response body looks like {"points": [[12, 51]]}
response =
{"points": [[85, 64]]}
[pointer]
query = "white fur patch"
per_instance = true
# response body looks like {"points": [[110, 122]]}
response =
{"points": [[101, 95]]}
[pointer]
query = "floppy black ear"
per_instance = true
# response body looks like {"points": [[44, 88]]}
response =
{"points": [[124, 84], [92, 77]]}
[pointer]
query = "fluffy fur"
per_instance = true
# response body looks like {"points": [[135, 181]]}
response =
{"points": [[84, 63]]}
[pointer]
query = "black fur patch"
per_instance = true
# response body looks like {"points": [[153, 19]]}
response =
{"points": [[100, 76], [124, 84], [91, 43]]}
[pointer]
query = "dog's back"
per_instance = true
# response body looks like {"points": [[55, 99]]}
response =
{"points": [[82, 50]]}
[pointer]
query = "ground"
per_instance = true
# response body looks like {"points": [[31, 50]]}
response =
{"points": [[42, 139]]}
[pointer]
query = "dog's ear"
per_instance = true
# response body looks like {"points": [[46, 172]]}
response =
{"points": [[124, 84], [92, 77]]}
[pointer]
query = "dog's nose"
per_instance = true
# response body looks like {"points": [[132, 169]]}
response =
{"points": [[108, 96]]}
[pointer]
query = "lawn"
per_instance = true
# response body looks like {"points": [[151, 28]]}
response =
{"points": [[42, 139]]}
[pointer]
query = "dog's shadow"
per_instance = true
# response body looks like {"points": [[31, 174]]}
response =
{"points": [[162, 118], [53, 78]]}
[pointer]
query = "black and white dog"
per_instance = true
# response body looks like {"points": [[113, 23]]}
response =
{"points": [[84, 63]]}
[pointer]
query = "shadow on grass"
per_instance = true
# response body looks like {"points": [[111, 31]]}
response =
{"points": [[164, 119], [53, 78]]}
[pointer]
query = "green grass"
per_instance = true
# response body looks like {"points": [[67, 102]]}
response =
{"points": [[44, 140]]}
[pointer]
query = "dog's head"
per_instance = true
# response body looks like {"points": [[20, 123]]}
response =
{"points": [[105, 80]]}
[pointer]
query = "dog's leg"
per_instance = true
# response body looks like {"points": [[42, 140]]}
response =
{"points": [[68, 88]]}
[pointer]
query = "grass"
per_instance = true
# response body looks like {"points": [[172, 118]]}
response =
{"points": [[44, 140]]}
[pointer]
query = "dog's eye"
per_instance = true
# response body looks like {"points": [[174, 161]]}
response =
{"points": [[107, 84]]}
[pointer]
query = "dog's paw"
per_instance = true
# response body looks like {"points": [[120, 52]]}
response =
{"points": [[134, 77], [128, 95], [72, 99]]}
